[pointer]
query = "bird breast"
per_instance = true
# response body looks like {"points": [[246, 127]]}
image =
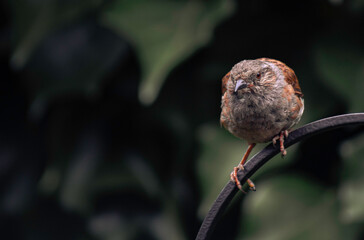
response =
{"points": [[260, 115]]}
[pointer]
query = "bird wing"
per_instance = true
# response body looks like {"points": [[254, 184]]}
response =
{"points": [[289, 74], [224, 82]]}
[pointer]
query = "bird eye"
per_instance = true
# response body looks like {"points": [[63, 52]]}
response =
{"points": [[258, 75]]}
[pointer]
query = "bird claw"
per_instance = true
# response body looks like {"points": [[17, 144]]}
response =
{"points": [[280, 137], [234, 178], [274, 140], [234, 173], [251, 185], [285, 132]]}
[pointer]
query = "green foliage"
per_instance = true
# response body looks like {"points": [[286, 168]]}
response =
{"points": [[341, 65], [33, 20], [164, 33], [292, 207], [351, 193]]}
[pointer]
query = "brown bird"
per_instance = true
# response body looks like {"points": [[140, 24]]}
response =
{"points": [[261, 101]]}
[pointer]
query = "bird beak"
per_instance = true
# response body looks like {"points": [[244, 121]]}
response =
{"points": [[240, 84]]}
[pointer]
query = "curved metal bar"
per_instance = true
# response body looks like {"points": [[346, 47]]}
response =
{"points": [[259, 159]]}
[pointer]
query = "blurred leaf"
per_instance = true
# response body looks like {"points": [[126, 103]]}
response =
{"points": [[75, 190], [341, 65], [72, 60], [220, 153], [33, 20], [164, 33], [356, 6], [351, 191], [290, 207]]}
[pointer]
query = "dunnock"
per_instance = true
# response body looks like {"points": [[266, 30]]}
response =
{"points": [[261, 101]]}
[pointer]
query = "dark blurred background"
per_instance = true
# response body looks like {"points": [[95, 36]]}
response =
{"points": [[109, 125]]}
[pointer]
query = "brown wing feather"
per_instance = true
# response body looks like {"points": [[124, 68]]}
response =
{"points": [[289, 74], [224, 82]]}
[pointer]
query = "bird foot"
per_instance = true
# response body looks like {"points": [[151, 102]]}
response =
{"points": [[234, 178], [280, 137]]}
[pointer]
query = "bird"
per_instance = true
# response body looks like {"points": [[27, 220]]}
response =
{"points": [[261, 102]]}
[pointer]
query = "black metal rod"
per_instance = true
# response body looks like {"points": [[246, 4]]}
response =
{"points": [[259, 159]]}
